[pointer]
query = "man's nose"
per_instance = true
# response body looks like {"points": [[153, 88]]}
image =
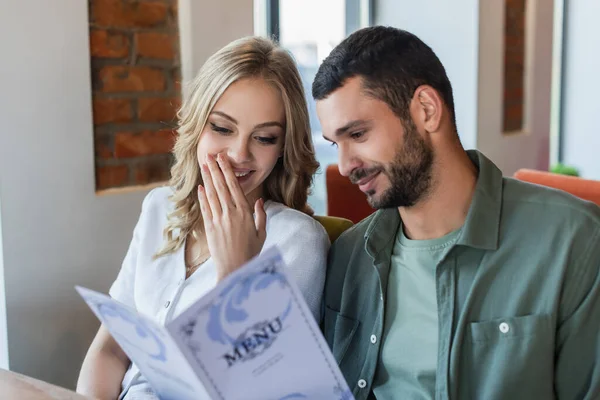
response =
{"points": [[347, 162]]}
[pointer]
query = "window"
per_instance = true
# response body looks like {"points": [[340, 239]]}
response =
{"points": [[310, 29]]}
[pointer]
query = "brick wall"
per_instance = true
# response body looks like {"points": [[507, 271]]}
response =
{"points": [[514, 65], [134, 47]]}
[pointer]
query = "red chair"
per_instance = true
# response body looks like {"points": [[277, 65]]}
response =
{"points": [[583, 188], [344, 199]]}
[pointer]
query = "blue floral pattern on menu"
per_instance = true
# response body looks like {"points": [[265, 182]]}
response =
{"points": [[230, 305], [109, 312]]}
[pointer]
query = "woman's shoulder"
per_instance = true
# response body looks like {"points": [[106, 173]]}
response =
{"points": [[157, 204], [158, 198], [285, 219]]}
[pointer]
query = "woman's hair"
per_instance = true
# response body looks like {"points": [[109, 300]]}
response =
{"points": [[289, 182]]}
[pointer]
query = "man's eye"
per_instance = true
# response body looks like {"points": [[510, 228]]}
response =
{"points": [[357, 135]]}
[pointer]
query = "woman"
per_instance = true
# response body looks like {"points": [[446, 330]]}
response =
{"points": [[243, 148]]}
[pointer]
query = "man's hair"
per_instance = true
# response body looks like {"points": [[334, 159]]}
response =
{"points": [[392, 64]]}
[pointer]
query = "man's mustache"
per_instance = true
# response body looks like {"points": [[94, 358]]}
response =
{"points": [[359, 174]]}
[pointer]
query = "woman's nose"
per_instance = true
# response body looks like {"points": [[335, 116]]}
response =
{"points": [[239, 152]]}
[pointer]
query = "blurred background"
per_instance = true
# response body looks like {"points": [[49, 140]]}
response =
{"points": [[89, 89]]}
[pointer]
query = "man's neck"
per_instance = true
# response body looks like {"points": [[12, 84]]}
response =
{"points": [[445, 207]]}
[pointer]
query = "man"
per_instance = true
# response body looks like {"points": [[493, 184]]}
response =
{"points": [[464, 284]]}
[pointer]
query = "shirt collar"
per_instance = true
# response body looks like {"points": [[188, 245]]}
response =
{"points": [[381, 231], [482, 225]]}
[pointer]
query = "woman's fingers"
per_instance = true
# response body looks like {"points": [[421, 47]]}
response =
{"points": [[219, 184], [260, 219], [211, 195], [204, 208], [235, 190]]}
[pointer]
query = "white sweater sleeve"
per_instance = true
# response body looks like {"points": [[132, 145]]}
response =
{"points": [[304, 245]]}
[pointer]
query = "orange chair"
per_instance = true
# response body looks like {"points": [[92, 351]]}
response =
{"points": [[583, 188], [344, 199]]}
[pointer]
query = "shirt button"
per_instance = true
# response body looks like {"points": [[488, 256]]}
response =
{"points": [[167, 304], [362, 383], [373, 339], [504, 327]]}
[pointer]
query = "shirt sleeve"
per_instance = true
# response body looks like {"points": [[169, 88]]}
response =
{"points": [[577, 369], [122, 288], [304, 244]]}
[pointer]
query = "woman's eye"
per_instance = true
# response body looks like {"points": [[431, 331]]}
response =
{"points": [[266, 139], [219, 129], [333, 144]]}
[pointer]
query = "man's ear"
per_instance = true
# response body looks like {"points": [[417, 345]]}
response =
{"points": [[428, 107]]}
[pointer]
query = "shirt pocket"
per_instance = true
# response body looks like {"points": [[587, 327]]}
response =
{"points": [[509, 358], [503, 329], [339, 331]]}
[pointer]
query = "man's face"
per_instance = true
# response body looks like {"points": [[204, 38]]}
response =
{"points": [[388, 160]]}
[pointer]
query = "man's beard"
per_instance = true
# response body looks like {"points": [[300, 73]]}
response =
{"points": [[409, 174]]}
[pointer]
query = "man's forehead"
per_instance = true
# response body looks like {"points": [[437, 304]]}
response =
{"points": [[343, 108], [352, 89]]}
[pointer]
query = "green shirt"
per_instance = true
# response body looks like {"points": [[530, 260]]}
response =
{"points": [[408, 355], [518, 296]]}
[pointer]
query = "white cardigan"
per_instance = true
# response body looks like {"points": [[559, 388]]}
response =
{"points": [[158, 288]]}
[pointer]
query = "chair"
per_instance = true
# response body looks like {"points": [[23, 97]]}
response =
{"points": [[344, 199], [583, 188], [333, 225]]}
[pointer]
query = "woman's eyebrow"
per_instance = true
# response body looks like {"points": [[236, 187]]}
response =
{"points": [[261, 125], [229, 117], [268, 124]]}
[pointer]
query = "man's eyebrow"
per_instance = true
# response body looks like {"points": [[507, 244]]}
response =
{"points": [[352, 124]]}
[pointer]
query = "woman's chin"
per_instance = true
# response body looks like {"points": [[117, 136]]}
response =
{"points": [[252, 191]]}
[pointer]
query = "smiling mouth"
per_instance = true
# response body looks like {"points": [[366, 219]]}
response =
{"points": [[366, 184], [243, 176]]}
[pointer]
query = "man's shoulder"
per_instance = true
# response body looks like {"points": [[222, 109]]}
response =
{"points": [[549, 207], [355, 235], [348, 252], [541, 218]]}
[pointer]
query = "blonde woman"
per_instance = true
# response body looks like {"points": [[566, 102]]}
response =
{"points": [[244, 162]]}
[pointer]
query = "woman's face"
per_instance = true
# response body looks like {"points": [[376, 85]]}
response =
{"points": [[247, 124]]}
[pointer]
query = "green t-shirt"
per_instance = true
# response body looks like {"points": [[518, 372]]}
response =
{"points": [[408, 358]]}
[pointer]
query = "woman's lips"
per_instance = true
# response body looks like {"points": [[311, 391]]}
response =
{"points": [[243, 175]]}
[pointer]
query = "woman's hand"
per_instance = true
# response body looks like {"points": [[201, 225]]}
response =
{"points": [[234, 236]]}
